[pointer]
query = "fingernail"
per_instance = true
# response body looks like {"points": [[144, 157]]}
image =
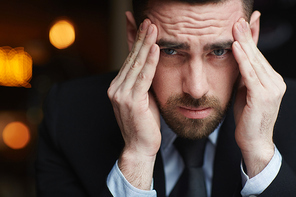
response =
{"points": [[242, 25], [150, 30], [235, 44], [245, 25], [153, 49], [239, 27], [144, 25]]}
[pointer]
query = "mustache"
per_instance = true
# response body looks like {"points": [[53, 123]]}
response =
{"points": [[188, 101]]}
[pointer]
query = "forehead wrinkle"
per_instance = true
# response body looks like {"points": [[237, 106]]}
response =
{"points": [[191, 24], [181, 18], [196, 25]]}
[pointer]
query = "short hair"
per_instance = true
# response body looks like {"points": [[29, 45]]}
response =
{"points": [[140, 7]]}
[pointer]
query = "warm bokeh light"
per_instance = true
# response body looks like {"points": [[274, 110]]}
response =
{"points": [[15, 67], [16, 135], [62, 34]]}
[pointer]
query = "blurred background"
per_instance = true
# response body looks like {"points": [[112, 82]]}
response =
{"points": [[58, 40]]}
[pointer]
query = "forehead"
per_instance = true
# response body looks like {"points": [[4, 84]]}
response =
{"points": [[195, 24]]}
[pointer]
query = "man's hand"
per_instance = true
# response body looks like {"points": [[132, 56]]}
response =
{"points": [[135, 109], [257, 102]]}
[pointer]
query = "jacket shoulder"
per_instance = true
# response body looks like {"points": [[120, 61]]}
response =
{"points": [[79, 129]]}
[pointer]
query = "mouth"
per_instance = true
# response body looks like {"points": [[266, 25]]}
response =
{"points": [[195, 113]]}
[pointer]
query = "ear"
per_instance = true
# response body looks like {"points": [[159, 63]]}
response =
{"points": [[131, 29], [255, 25]]}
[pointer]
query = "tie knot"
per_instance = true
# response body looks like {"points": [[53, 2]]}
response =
{"points": [[192, 151]]}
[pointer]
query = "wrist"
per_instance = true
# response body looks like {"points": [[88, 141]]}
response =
{"points": [[137, 168], [132, 156], [257, 159]]}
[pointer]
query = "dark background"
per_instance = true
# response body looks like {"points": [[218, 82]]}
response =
{"points": [[26, 23]]}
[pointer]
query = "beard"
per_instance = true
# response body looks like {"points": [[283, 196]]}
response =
{"points": [[192, 128]]}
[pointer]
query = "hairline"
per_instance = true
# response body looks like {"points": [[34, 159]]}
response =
{"points": [[150, 5]]}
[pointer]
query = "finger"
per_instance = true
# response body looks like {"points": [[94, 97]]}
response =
{"points": [[276, 86], [145, 77], [242, 34], [141, 58], [141, 34], [249, 76], [267, 76]]}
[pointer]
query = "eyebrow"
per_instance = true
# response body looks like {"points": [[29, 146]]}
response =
{"points": [[219, 45], [172, 44], [162, 43]]}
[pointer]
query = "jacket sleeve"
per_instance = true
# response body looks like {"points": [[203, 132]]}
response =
{"points": [[284, 184], [284, 137]]}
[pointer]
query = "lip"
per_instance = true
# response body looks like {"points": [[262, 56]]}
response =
{"points": [[195, 113]]}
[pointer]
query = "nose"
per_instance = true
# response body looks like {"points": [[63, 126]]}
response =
{"points": [[195, 79]]}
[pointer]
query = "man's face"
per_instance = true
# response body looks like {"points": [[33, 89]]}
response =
{"points": [[196, 73]]}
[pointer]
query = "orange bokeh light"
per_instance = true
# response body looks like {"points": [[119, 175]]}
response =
{"points": [[16, 135], [15, 67], [62, 34]]}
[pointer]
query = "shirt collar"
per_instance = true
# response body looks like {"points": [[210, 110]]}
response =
{"points": [[168, 136]]}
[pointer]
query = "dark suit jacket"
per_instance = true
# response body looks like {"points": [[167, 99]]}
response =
{"points": [[79, 142]]}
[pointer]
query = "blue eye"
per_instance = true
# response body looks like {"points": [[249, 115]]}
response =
{"points": [[169, 51], [219, 52]]}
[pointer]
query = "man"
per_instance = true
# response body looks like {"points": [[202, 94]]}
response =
{"points": [[188, 60]]}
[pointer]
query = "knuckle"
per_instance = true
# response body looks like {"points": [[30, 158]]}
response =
{"points": [[252, 75], [144, 77], [116, 99], [140, 37], [132, 55], [128, 59], [146, 43], [112, 87], [126, 104], [283, 85], [113, 82], [122, 100], [256, 61], [137, 63], [281, 89], [110, 92], [273, 97]]}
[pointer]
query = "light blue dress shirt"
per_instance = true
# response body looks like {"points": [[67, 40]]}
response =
{"points": [[173, 167]]}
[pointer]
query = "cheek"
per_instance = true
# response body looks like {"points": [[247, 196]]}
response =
{"points": [[227, 78], [165, 83]]}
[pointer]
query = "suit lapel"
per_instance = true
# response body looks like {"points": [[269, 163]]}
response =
{"points": [[227, 178], [158, 176]]}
